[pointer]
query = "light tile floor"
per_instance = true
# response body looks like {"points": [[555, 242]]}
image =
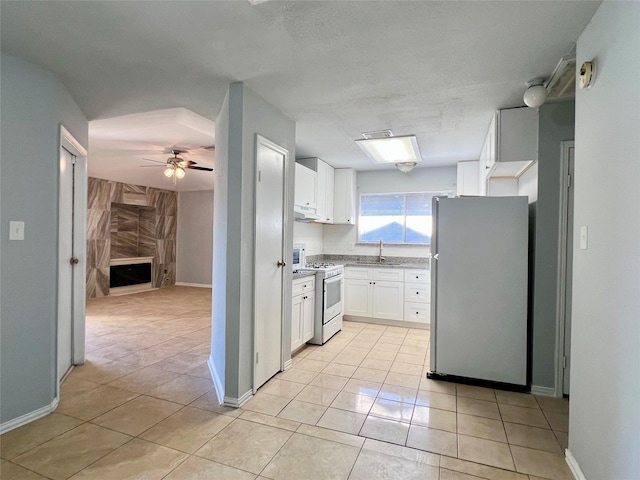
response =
{"points": [[359, 407]]}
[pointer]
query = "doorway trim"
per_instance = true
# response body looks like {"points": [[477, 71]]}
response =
{"points": [[69, 143], [561, 303], [260, 140]]}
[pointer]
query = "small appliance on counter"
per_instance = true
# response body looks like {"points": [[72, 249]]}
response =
{"points": [[299, 257], [329, 300]]}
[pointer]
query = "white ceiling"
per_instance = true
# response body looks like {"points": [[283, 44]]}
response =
{"points": [[434, 69], [120, 145]]}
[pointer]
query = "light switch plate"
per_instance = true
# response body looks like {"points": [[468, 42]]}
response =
{"points": [[584, 237], [16, 230]]}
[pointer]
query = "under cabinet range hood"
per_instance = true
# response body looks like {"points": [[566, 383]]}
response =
{"points": [[303, 214]]}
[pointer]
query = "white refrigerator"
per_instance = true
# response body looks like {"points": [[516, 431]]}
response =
{"points": [[479, 280]]}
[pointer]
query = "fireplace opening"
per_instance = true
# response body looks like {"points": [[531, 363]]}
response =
{"points": [[134, 274]]}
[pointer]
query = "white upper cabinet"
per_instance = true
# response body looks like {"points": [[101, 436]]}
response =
{"points": [[324, 187], [306, 188], [468, 181], [345, 203], [512, 142]]}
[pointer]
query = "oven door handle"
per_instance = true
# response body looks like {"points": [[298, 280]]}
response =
{"points": [[335, 279]]}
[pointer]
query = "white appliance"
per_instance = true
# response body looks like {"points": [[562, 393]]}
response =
{"points": [[479, 290], [299, 256], [329, 300]]}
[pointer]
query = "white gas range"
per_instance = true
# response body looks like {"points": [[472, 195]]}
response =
{"points": [[329, 303]]}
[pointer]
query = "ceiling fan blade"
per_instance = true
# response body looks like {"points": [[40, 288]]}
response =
{"points": [[156, 161], [200, 168], [151, 166], [186, 163]]}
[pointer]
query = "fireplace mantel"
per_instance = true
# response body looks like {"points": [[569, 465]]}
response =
{"points": [[130, 260]]}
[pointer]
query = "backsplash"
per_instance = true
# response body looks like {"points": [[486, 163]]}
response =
{"points": [[125, 220]]}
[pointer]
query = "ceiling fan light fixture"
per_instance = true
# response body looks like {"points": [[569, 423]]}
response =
{"points": [[168, 172], [405, 167], [180, 172]]}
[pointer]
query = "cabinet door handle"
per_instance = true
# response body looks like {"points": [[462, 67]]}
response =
{"points": [[417, 293]]}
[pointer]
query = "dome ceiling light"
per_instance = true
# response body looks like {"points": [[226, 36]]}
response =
{"points": [[536, 94]]}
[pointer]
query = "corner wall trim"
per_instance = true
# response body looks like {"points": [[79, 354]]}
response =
{"points": [[543, 391], [216, 381], [29, 417], [199, 285], [573, 465], [238, 402], [288, 364]]}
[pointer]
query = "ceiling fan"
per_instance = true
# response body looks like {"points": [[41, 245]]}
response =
{"points": [[176, 167]]}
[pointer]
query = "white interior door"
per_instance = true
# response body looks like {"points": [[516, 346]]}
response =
{"points": [[269, 259], [65, 267]]}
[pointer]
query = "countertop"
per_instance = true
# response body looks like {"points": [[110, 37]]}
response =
{"points": [[388, 265], [303, 274]]}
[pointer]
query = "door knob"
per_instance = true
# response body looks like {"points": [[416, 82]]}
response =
{"points": [[281, 263], [73, 261]]}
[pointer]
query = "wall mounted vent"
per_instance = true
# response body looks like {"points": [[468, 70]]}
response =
{"points": [[562, 82]]}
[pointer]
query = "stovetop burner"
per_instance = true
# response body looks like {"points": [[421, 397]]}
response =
{"points": [[320, 265]]}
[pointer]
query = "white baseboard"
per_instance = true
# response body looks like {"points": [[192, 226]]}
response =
{"points": [[199, 285], [543, 391], [573, 465], [238, 402], [29, 417], [217, 383], [222, 398]]}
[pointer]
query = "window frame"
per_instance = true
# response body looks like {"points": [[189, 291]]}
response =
{"points": [[436, 193]]}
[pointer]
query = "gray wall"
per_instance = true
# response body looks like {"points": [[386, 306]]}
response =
{"points": [[244, 114], [604, 419], [194, 249], [34, 104], [556, 124]]}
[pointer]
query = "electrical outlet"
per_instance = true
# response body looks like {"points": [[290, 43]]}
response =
{"points": [[350, 247]]}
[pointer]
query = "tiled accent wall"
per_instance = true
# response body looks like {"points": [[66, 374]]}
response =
{"points": [[133, 231], [157, 227]]}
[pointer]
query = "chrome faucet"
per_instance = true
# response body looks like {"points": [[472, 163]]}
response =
{"points": [[380, 257]]}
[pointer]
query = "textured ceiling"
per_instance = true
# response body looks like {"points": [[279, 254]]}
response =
{"points": [[434, 69]]}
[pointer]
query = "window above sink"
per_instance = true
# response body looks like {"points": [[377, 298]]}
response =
{"points": [[396, 218]]}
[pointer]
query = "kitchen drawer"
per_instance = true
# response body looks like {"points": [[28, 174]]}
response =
{"points": [[357, 273], [417, 312], [417, 276], [303, 285], [417, 293], [388, 274]]}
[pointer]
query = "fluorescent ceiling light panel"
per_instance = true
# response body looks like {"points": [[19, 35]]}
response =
{"points": [[392, 149]]}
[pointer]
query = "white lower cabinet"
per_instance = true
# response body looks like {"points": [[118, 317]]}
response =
{"points": [[357, 297], [373, 298], [402, 294], [303, 311]]}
